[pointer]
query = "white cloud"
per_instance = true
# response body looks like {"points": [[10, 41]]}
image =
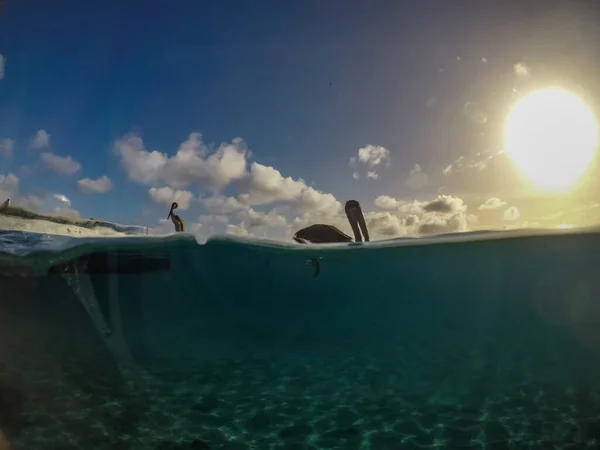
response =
{"points": [[267, 185], [63, 199], [9, 186], [2, 65], [415, 207], [213, 219], [385, 225], [236, 230], [417, 178], [6, 148], [386, 202], [521, 70], [491, 203], [222, 204], [166, 195], [100, 185], [434, 224], [30, 202], [192, 163], [511, 213], [258, 219], [445, 204], [40, 140], [64, 165], [374, 155], [314, 202], [440, 215]]}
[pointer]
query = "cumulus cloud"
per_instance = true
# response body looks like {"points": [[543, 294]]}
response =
{"points": [[385, 224], [6, 148], [100, 185], [258, 219], [491, 204], [417, 179], [443, 214], [222, 204], [435, 224], [9, 186], [236, 230], [64, 165], [63, 199], [213, 219], [373, 157], [166, 195], [193, 162], [314, 201], [511, 213], [386, 202], [41, 139], [445, 204], [265, 184], [30, 202]]}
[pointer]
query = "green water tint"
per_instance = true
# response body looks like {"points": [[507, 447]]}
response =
{"points": [[238, 345]]}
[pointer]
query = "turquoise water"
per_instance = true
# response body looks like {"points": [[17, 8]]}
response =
{"points": [[479, 341]]}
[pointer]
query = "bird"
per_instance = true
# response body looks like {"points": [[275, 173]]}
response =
{"points": [[177, 221], [322, 233]]}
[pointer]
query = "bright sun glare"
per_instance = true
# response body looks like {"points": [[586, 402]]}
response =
{"points": [[552, 136]]}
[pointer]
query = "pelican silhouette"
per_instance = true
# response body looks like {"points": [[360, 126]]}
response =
{"points": [[177, 221], [322, 233]]}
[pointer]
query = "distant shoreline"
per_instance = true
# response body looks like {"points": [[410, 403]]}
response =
{"points": [[23, 213]]}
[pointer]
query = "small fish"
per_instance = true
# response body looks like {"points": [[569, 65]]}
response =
{"points": [[316, 265]]}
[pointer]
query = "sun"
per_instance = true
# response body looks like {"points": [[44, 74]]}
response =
{"points": [[552, 136]]}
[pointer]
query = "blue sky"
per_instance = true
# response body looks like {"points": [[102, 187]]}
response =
{"points": [[304, 84]]}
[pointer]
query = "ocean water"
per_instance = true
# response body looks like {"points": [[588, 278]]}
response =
{"points": [[470, 341]]}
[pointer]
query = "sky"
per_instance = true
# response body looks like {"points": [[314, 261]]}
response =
{"points": [[262, 118]]}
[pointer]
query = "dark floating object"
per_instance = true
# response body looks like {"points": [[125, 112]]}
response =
{"points": [[177, 221], [6, 204], [321, 233]]}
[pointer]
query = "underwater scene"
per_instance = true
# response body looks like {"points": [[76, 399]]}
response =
{"points": [[488, 340]]}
